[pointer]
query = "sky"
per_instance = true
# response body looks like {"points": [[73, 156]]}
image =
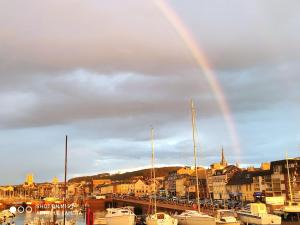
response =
{"points": [[105, 72]]}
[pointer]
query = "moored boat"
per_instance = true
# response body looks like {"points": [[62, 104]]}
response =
{"points": [[256, 213], [290, 213], [160, 218], [192, 217], [226, 217], [6, 217], [120, 216]]}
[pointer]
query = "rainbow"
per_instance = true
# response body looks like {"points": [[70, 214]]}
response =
{"points": [[203, 63]]}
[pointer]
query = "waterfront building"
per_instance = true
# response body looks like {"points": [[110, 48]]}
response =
{"points": [[125, 188], [182, 185], [97, 182], [241, 186], [107, 189], [220, 179], [275, 182], [141, 187], [261, 183], [203, 191], [170, 183], [77, 190], [45, 190], [211, 171], [7, 192]]}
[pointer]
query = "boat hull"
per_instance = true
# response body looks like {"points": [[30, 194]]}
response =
{"points": [[227, 223], [195, 220], [259, 220], [120, 220], [169, 221]]}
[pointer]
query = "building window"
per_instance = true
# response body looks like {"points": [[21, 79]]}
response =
{"points": [[277, 169]]}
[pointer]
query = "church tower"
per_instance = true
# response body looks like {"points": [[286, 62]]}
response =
{"points": [[29, 180], [223, 160]]}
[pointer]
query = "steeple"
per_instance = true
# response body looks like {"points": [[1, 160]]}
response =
{"points": [[223, 161]]}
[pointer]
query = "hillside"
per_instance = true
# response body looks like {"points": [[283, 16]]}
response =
{"points": [[163, 171]]}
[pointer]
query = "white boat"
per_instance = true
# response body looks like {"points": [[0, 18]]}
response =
{"points": [[120, 216], [289, 213], [256, 213], [291, 207], [226, 217], [192, 217], [6, 217], [6, 213], [160, 218]]}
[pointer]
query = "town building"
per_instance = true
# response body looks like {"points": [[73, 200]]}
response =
{"points": [[99, 182], [220, 179], [182, 185], [106, 189], [192, 189], [125, 188], [170, 183], [141, 188], [276, 182], [241, 186], [211, 171]]}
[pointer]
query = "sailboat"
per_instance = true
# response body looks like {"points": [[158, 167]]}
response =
{"points": [[195, 217], [158, 218]]}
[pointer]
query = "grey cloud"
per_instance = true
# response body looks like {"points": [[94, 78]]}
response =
{"points": [[36, 38], [236, 35], [59, 36]]}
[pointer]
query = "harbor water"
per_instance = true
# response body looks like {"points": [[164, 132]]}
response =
{"points": [[21, 219]]}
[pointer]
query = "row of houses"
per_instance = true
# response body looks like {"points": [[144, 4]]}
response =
{"points": [[55, 189], [137, 186], [220, 181]]}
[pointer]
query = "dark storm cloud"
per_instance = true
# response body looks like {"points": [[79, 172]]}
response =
{"points": [[104, 73]]}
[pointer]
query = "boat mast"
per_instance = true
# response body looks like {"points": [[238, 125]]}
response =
{"points": [[65, 181], [288, 172], [195, 154], [153, 172]]}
